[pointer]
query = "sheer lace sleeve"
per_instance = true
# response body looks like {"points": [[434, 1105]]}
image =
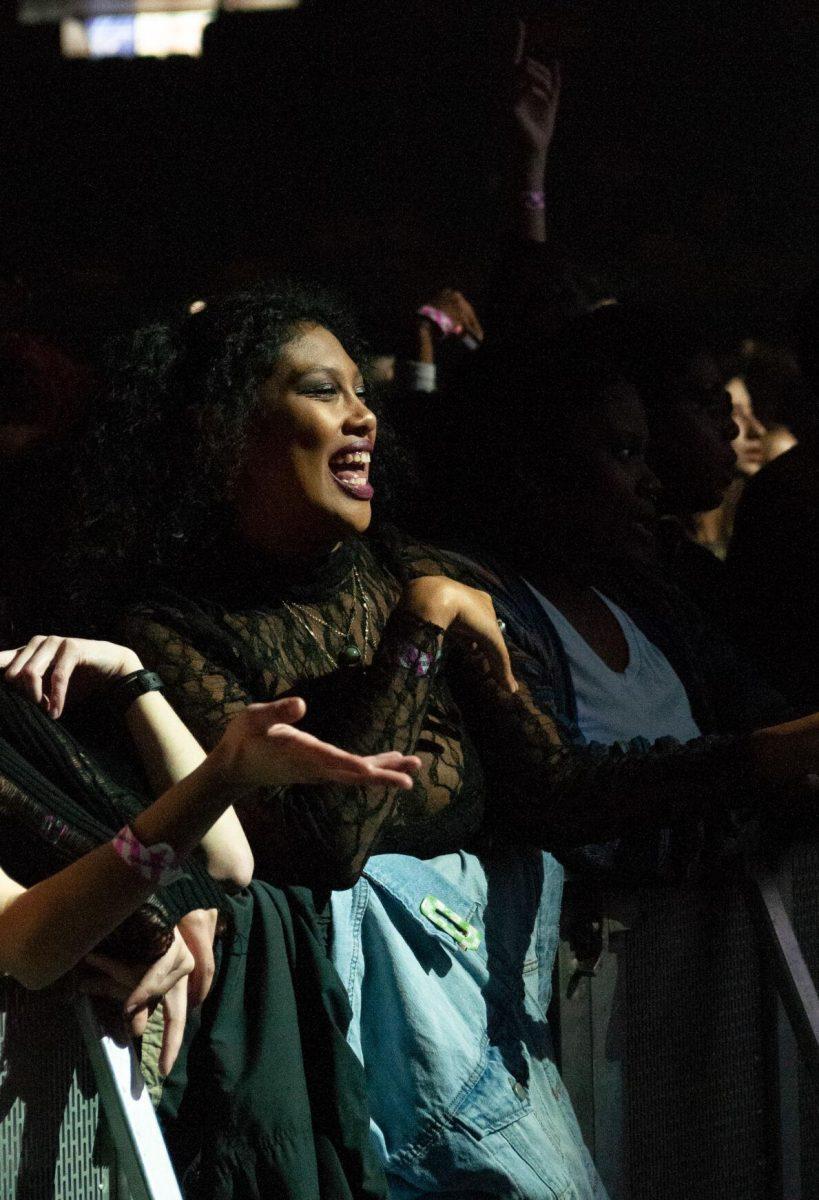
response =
{"points": [[562, 796], [318, 835]]}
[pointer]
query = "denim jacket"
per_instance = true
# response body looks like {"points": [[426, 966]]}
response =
{"points": [[447, 963]]}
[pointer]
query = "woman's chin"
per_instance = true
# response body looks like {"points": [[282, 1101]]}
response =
{"points": [[353, 519]]}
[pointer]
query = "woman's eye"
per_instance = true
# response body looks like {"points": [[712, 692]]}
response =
{"points": [[318, 389]]}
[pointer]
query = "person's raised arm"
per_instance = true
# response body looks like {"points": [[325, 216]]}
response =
{"points": [[534, 110]]}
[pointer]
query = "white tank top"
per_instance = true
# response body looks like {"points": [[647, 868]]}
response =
{"points": [[646, 700]]}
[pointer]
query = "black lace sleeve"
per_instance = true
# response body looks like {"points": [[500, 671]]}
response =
{"points": [[561, 796], [315, 835]]}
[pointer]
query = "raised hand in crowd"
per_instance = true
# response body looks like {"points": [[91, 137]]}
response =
{"points": [[449, 315], [536, 99]]}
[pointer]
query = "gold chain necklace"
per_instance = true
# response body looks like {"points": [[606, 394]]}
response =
{"points": [[349, 655]]}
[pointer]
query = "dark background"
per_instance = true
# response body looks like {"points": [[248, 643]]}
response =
{"points": [[362, 142]]}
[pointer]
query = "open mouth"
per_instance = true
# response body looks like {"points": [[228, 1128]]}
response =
{"points": [[350, 469]]}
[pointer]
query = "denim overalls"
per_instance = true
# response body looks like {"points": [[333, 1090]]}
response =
{"points": [[464, 1094], [448, 964]]}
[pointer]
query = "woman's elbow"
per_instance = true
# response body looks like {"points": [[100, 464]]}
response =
{"points": [[234, 868], [31, 970]]}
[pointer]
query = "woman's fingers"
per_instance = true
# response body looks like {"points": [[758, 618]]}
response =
{"points": [[477, 622], [175, 1008], [42, 668], [18, 671], [486, 637], [138, 990], [497, 655], [400, 768], [198, 929], [65, 660], [325, 763], [38, 667], [138, 1023], [286, 711], [272, 751], [137, 984], [161, 976]]}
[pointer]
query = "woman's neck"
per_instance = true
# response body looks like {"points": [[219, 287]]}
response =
{"points": [[556, 576], [250, 573]]}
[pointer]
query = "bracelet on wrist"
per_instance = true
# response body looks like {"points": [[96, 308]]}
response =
{"points": [[123, 692], [533, 199], [445, 325], [159, 864], [417, 661]]}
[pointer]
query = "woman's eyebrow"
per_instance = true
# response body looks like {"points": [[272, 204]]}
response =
{"points": [[300, 372]]}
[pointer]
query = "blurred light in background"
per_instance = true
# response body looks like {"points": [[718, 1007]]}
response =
{"points": [[157, 34], [134, 28]]}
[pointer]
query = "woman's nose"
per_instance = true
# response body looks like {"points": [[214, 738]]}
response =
{"points": [[360, 419], [755, 430]]}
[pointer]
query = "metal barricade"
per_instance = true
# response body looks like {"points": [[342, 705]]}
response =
{"points": [[674, 1043], [76, 1122]]}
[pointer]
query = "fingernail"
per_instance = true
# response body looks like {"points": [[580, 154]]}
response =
{"points": [[132, 1008]]}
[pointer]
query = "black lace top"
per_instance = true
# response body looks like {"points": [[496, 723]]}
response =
{"points": [[490, 760]]}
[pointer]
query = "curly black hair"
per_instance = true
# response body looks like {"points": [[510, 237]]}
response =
{"points": [[167, 437]]}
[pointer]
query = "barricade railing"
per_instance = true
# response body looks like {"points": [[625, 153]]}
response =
{"points": [[76, 1121], [687, 1021]]}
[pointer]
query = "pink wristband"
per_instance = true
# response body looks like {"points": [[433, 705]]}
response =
{"points": [[439, 318], [417, 662], [448, 326], [534, 200], [159, 864]]}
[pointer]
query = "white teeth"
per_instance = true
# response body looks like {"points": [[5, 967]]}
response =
{"points": [[360, 456]]}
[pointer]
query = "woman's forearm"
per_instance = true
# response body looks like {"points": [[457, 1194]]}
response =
{"points": [[47, 929], [322, 834], [169, 752]]}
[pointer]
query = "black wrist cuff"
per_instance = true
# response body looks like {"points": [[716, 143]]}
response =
{"points": [[123, 692]]}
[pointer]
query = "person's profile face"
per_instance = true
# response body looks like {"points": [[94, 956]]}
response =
{"points": [[304, 483], [602, 489], [691, 434], [749, 444]]}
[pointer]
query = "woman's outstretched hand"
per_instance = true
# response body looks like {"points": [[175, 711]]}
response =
{"points": [[44, 667], [262, 748], [465, 613]]}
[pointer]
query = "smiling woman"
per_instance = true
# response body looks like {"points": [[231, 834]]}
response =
{"points": [[308, 460]]}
